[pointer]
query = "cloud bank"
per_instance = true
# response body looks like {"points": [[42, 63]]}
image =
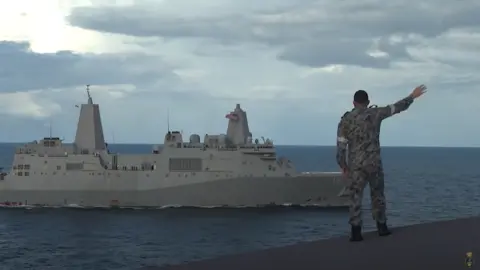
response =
{"points": [[294, 65]]}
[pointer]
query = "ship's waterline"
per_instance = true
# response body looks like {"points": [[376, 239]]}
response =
{"points": [[250, 192], [224, 170]]}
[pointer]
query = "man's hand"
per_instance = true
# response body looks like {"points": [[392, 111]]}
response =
{"points": [[418, 91]]}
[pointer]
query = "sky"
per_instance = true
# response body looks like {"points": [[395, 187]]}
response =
{"points": [[293, 65]]}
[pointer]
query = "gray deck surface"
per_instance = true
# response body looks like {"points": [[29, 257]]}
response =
{"points": [[437, 245]]}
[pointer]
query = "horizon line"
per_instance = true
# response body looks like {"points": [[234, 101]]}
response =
{"points": [[283, 145]]}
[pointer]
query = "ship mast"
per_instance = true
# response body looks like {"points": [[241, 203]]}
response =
{"points": [[168, 120]]}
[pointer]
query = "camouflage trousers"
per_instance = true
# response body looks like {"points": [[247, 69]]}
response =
{"points": [[358, 179]]}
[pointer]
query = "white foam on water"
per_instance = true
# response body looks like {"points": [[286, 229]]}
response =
{"points": [[107, 207]]}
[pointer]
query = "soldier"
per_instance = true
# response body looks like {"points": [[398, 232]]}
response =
{"points": [[358, 134]]}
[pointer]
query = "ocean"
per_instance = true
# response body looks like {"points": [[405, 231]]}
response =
{"points": [[422, 184]]}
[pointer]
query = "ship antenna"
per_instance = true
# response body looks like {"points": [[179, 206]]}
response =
{"points": [[50, 128], [88, 90], [89, 96], [168, 120]]}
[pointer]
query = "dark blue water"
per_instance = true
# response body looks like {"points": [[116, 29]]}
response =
{"points": [[422, 184]]}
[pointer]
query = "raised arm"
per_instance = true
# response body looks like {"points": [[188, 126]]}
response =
{"points": [[401, 105], [397, 107]]}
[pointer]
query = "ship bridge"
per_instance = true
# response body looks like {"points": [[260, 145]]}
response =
{"points": [[51, 142], [48, 146]]}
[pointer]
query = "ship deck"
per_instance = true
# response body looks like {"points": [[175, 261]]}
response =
{"points": [[436, 245]]}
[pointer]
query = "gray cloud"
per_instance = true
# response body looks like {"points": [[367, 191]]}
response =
{"points": [[326, 53], [21, 69], [311, 33]]}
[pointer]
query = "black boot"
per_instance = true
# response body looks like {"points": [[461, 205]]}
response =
{"points": [[356, 235], [383, 229]]}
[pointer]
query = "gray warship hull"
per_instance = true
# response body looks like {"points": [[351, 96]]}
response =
{"points": [[321, 190], [223, 170]]}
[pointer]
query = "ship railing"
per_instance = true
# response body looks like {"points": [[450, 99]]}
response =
{"points": [[190, 145], [52, 154], [226, 149], [259, 149], [322, 173], [263, 146]]}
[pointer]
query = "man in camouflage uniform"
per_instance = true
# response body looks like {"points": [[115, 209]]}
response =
{"points": [[358, 155]]}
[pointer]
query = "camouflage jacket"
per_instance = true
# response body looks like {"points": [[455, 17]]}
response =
{"points": [[358, 135]]}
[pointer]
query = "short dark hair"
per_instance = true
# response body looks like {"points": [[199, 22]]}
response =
{"points": [[360, 97]]}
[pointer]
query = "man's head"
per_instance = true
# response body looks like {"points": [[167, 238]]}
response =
{"points": [[360, 99]]}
